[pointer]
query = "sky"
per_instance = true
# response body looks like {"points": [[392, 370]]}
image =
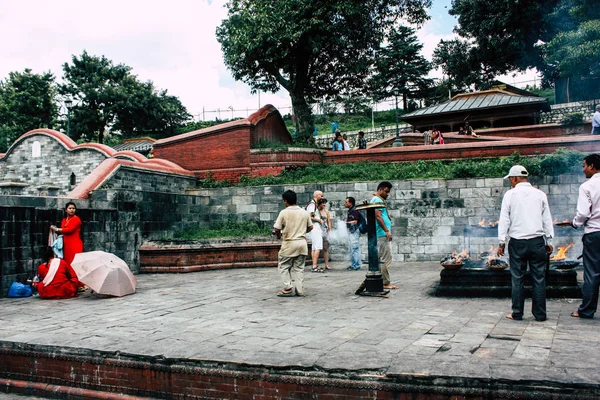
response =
{"points": [[171, 43]]}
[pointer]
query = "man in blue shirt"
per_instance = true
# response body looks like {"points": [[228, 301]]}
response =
{"points": [[384, 232]]}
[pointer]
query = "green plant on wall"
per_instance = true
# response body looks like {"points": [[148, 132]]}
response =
{"points": [[573, 119], [228, 229], [559, 162]]}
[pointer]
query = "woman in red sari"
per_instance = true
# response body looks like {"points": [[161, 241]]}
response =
{"points": [[70, 228], [58, 280]]}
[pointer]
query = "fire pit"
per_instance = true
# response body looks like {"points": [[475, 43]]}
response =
{"points": [[496, 263], [564, 264], [455, 260], [455, 265]]}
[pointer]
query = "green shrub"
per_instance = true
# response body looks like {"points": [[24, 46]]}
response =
{"points": [[227, 229], [573, 119]]}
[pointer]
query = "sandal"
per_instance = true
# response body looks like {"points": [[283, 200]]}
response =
{"points": [[328, 268], [286, 293], [321, 270], [314, 269]]}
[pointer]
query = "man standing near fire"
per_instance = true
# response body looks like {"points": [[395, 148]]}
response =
{"points": [[526, 221], [588, 216]]}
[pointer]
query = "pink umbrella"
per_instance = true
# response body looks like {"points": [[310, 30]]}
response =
{"points": [[104, 273]]}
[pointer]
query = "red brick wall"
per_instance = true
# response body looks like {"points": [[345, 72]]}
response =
{"points": [[269, 126], [76, 374], [180, 258], [483, 148], [223, 149]]}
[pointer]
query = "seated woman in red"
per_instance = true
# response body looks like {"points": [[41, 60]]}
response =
{"points": [[70, 228], [58, 280]]}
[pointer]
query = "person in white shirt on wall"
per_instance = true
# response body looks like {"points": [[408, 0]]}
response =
{"points": [[588, 216], [526, 221], [596, 121]]}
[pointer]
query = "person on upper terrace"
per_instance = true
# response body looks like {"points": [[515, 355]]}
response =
{"points": [[462, 131], [345, 142], [596, 121], [437, 137], [362, 142], [470, 130], [338, 144]]}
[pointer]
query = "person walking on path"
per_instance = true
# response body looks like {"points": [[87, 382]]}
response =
{"points": [[526, 221], [384, 232], [70, 228], [353, 233], [316, 235], [291, 225], [596, 121], [588, 216]]}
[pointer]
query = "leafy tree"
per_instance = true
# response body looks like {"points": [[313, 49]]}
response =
{"points": [[314, 49], [109, 98], [95, 85], [558, 37], [399, 67], [27, 101]]}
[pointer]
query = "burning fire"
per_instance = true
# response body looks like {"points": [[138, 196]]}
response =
{"points": [[491, 223], [562, 252], [456, 258], [565, 221]]}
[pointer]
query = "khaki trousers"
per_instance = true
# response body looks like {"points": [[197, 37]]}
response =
{"points": [[291, 271], [385, 256]]}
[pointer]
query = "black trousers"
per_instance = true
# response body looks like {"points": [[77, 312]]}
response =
{"points": [[591, 274], [521, 253]]}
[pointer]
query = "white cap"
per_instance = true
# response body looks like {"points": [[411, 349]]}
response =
{"points": [[517, 170]]}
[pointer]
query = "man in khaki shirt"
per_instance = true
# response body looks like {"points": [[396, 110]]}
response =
{"points": [[291, 225]]}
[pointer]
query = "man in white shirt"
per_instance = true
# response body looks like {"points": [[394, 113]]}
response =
{"points": [[588, 216], [292, 224], [525, 218], [596, 121]]}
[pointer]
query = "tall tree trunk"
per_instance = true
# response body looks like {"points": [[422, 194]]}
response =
{"points": [[305, 121]]}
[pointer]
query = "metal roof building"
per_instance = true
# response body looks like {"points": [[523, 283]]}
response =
{"points": [[501, 106], [141, 145]]}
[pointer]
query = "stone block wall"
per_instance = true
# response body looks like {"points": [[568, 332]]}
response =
{"points": [[131, 179], [559, 111], [431, 218], [52, 166]]}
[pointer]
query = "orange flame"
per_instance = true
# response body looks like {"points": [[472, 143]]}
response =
{"points": [[482, 222], [562, 252], [492, 223]]}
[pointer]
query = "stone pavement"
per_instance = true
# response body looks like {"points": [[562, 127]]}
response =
{"points": [[235, 315]]}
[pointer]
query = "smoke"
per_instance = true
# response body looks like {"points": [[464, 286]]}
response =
{"points": [[339, 233]]}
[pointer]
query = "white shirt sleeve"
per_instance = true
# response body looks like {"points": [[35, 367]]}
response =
{"points": [[584, 208], [547, 221], [504, 221]]}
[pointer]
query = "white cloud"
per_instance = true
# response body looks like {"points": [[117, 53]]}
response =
{"points": [[171, 43]]}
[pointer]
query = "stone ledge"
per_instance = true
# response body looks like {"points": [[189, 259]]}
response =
{"points": [[43, 369]]}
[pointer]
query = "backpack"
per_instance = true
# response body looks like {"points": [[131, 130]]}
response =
{"points": [[362, 224]]}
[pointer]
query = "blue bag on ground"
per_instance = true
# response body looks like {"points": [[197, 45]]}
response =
{"points": [[19, 290]]}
